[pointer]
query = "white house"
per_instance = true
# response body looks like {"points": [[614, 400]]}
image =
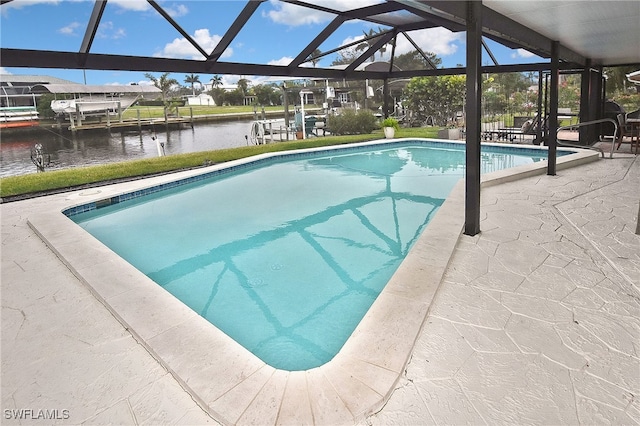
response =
{"points": [[201, 99]]}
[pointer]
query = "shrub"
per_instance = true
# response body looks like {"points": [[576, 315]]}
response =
{"points": [[351, 123], [44, 106]]}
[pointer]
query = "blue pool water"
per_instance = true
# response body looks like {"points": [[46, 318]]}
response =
{"points": [[288, 255]]}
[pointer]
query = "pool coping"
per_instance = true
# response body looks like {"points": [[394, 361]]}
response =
{"points": [[229, 382]]}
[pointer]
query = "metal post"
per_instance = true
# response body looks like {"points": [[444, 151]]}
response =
{"points": [[553, 109], [304, 133], [541, 112], [285, 102], [473, 108], [79, 116], [586, 113]]}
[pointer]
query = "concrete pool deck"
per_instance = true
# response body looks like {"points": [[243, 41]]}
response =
{"points": [[537, 320]]}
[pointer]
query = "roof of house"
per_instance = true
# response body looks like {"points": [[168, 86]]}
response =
{"points": [[85, 88], [22, 80]]}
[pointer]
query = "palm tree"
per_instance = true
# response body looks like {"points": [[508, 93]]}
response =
{"points": [[216, 81], [243, 85], [371, 38], [314, 57], [164, 83], [192, 79]]}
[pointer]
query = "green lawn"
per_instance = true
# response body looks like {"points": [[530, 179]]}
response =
{"points": [[185, 111], [73, 177]]}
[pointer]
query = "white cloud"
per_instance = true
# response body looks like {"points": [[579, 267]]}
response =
{"points": [[349, 40], [292, 15], [108, 30], [19, 4], [437, 40], [135, 5], [3, 70], [522, 53], [70, 29], [119, 33], [181, 48], [285, 60], [440, 41], [177, 10]]}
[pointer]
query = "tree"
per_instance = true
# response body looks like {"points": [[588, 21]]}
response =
{"points": [[216, 81], [415, 61], [313, 57], [350, 54], [243, 86], [234, 97], [439, 97], [508, 83], [493, 103], [44, 106], [569, 92], [192, 79], [219, 95], [617, 78], [370, 39], [266, 94], [165, 84], [345, 57]]}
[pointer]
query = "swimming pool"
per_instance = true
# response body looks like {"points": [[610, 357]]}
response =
{"points": [[287, 255]]}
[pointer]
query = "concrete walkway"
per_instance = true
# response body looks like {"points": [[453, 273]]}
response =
{"points": [[536, 322]]}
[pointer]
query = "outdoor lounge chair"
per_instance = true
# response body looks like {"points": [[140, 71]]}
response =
{"points": [[629, 126], [529, 127]]}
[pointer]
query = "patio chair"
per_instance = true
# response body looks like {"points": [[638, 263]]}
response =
{"points": [[629, 130], [531, 127]]}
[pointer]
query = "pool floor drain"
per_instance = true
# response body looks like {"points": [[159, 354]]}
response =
{"points": [[256, 282]]}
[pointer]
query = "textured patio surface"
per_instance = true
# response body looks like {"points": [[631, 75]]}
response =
{"points": [[536, 322], [538, 318]]}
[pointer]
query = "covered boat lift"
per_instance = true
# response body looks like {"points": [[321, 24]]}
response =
{"points": [[93, 100]]}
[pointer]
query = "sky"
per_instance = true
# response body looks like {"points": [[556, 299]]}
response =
{"points": [[275, 34]]}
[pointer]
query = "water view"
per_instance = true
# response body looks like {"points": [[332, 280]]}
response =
{"points": [[100, 147]]}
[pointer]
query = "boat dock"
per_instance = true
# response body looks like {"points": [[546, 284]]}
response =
{"points": [[118, 124], [128, 125]]}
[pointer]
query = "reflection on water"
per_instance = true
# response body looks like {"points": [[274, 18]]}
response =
{"points": [[289, 268], [100, 147], [287, 257]]}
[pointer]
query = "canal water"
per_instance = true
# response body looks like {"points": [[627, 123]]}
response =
{"points": [[99, 147]]}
